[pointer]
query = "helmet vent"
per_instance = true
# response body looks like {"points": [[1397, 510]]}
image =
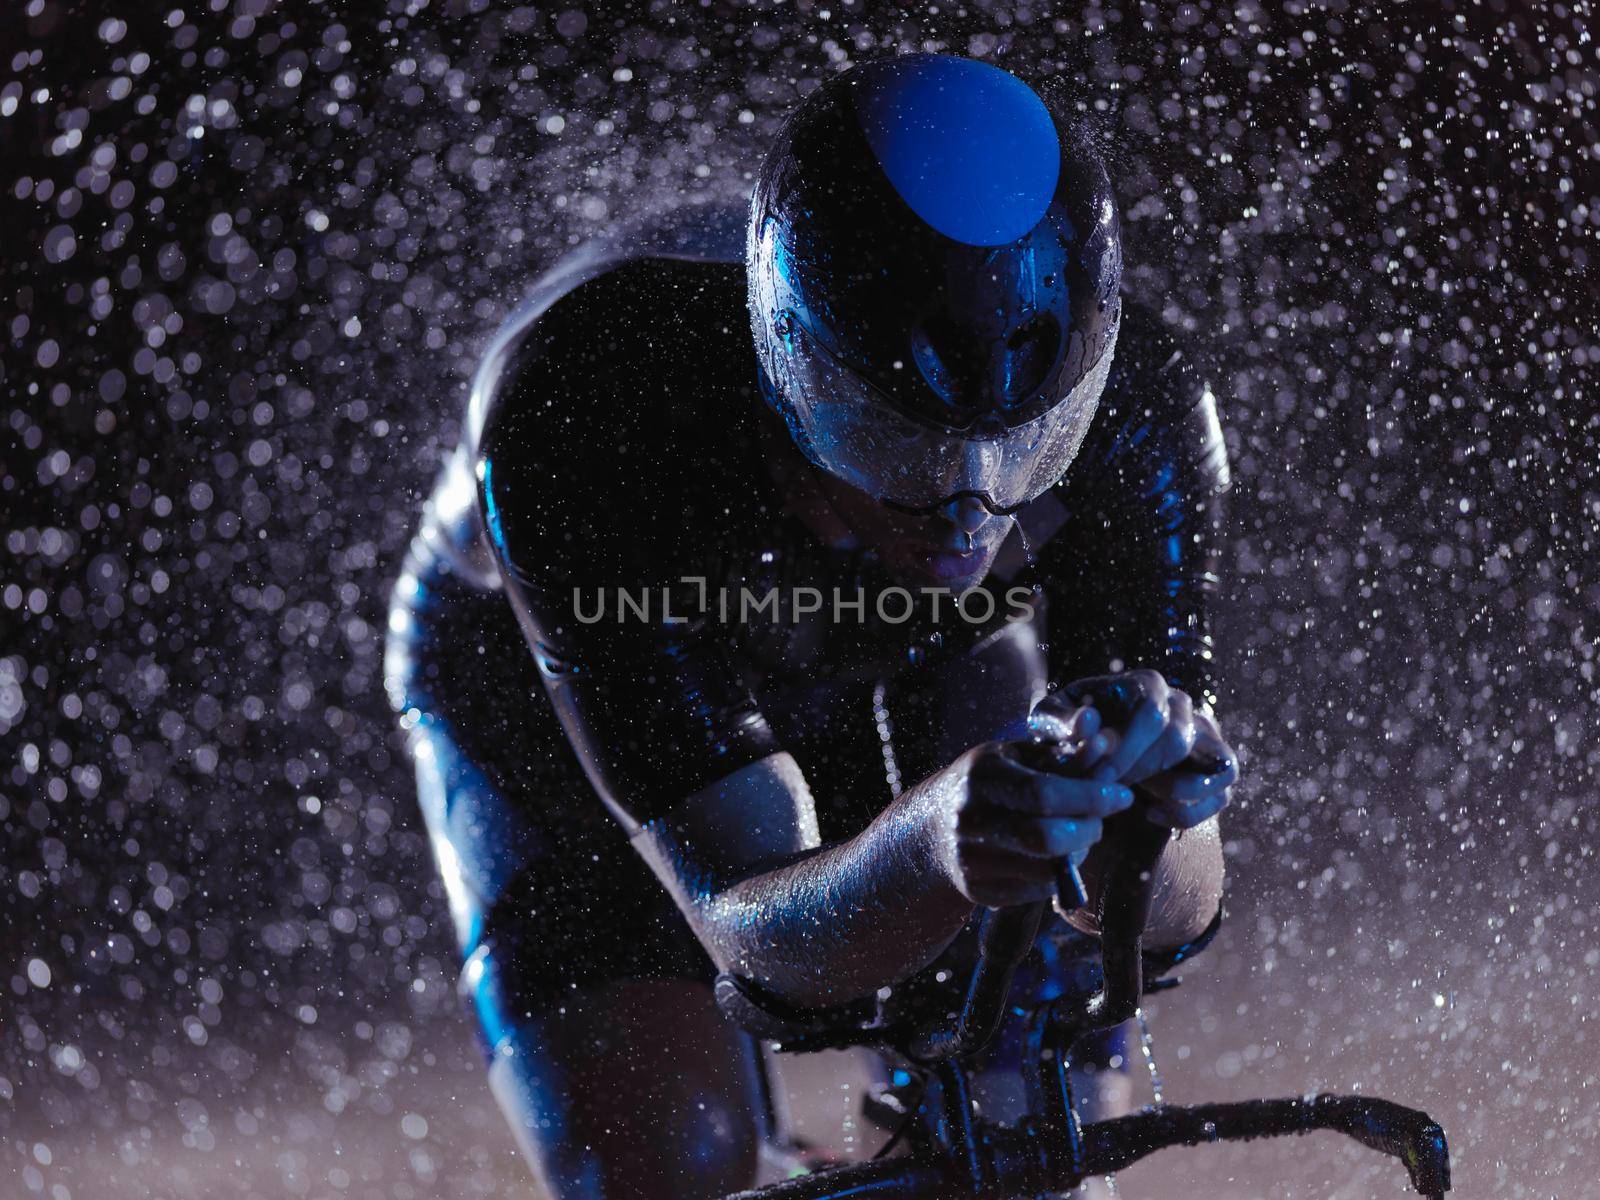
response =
{"points": [[1030, 352], [950, 359]]}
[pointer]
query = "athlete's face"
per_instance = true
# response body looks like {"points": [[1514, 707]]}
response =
{"points": [[952, 547]]}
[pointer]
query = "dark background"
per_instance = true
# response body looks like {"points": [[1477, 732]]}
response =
{"points": [[248, 254]]}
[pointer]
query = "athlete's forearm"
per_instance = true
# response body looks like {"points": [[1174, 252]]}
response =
{"points": [[840, 922]]}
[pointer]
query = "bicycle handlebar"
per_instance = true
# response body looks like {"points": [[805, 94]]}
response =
{"points": [[1004, 1162], [1410, 1136], [1010, 1162]]}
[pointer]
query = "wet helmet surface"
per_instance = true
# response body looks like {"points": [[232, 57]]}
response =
{"points": [[934, 266]]}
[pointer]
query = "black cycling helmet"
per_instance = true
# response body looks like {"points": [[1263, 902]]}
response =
{"points": [[934, 265]]}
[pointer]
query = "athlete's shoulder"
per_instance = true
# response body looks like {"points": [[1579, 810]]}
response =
{"points": [[1159, 408], [616, 423], [625, 322]]}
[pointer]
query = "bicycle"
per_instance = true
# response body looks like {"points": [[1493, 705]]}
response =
{"points": [[955, 1155]]}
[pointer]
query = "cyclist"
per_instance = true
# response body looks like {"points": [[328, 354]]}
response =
{"points": [[677, 647]]}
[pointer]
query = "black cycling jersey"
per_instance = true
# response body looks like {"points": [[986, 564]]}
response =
{"points": [[615, 441], [620, 449]]}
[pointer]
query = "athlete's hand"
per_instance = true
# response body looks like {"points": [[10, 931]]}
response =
{"points": [[1199, 787], [1147, 725], [1153, 738], [1000, 826]]}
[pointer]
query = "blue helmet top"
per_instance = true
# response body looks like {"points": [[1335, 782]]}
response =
{"points": [[970, 149], [931, 226]]}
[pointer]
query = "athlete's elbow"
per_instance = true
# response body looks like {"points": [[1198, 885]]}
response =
{"points": [[1189, 890]]}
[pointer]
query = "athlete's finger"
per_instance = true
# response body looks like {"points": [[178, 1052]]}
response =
{"points": [[1117, 696], [1096, 748], [1057, 719], [1210, 757], [1174, 742], [1210, 766], [1181, 814], [1140, 732], [1208, 738], [1182, 786], [1063, 796], [1075, 760], [1047, 838], [1001, 780]]}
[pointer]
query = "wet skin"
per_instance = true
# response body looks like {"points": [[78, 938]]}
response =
{"points": [[954, 546]]}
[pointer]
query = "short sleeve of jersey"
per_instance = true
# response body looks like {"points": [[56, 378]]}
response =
{"points": [[1130, 574], [609, 464]]}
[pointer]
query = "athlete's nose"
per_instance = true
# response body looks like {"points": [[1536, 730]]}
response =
{"points": [[968, 513]]}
